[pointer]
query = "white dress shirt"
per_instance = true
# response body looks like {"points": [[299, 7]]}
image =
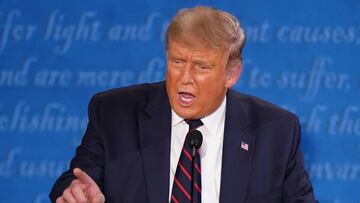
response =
{"points": [[210, 151]]}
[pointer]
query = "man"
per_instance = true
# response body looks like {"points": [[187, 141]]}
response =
{"points": [[133, 147]]}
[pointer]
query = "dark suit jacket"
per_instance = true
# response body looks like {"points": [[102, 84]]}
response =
{"points": [[126, 149]]}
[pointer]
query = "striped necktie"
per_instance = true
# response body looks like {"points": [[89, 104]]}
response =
{"points": [[181, 191]]}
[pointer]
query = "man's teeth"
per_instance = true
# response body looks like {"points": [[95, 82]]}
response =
{"points": [[186, 97]]}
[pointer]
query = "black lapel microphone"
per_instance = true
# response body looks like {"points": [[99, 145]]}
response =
{"points": [[194, 140]]}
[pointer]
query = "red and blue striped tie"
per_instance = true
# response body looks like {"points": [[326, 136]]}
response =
{"points": [[181, 191]]}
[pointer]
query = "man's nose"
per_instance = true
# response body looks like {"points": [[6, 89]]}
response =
{"points": [[187, 75]]}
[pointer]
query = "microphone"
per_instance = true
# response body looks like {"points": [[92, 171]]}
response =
{"points": [[194, 140]]}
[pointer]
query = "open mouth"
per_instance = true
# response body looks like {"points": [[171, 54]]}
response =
{"points": [[186, 98]]}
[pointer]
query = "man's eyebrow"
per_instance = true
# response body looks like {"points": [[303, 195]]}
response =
{"points": [[202, 62], [176, 57]]}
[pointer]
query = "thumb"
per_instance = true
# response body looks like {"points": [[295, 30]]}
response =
{"points": [[82, 176], [92, 188]]}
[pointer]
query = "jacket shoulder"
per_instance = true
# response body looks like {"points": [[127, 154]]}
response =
{"points": [[133, 91], [259, 110], [123, 100], [129, 95]]}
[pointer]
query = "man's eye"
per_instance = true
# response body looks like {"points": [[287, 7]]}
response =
{"points": [[177, 61], [203, 67]]}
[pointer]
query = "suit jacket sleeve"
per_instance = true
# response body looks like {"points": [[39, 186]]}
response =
{"points": [[89, 155], [297, 185]]}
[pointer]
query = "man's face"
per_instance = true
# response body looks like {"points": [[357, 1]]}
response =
{"points": [[197, 79]]}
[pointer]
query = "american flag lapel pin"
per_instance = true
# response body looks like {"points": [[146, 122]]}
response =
{"points": [[244, 146]]}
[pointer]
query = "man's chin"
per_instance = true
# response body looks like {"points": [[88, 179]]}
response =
{"points": [[184, 112]]}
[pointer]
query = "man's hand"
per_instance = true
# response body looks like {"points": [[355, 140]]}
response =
{"points": [[82, 190]]}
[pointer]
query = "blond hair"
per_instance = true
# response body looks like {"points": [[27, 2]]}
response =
{"points": [[208, 27]]}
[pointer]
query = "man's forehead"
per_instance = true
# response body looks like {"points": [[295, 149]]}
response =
{"points": [[195, 49]]}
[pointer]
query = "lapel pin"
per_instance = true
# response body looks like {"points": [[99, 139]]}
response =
{"points": [[244, 146]]}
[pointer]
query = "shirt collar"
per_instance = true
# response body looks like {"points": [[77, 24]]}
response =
{"points": [[212, 122], [175, 119]]}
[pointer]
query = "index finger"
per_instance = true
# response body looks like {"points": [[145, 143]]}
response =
{"points": [[82, 176]]}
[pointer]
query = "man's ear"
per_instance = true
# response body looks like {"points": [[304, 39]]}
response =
{"points": [[233, 74]]}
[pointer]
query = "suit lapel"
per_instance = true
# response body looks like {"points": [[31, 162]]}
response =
{"points": [[236, 161], [155, 134], [155, 137]]}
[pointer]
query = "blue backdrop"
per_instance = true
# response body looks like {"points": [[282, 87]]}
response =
{"points": [[54, 55]]}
